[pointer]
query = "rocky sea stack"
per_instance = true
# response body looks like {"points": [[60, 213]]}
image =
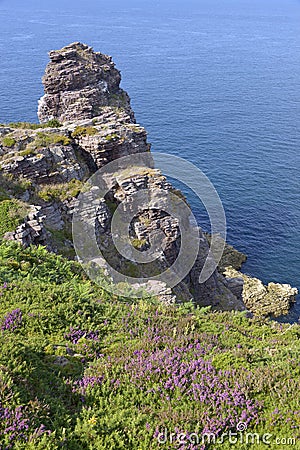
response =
{"points": [[78, 82], [86, 121]]}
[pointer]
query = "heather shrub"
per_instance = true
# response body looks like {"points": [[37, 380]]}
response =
{"points": [[81, 368]]}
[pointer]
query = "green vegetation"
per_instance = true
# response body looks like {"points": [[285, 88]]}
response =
{"points": [[60, 191], [12, 186], [119, 111], [135, 128], [144, 219], [45, 139], [131, 269], [8, 141], [119, 100], [138, 243], [62, 240], [53, 123], [112, 137], [83, 369], [3, 194], [28, 151], [11, 214], [84, 131], [112, 206]]}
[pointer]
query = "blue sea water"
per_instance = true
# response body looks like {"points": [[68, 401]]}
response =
{"points": [[214, 81]]}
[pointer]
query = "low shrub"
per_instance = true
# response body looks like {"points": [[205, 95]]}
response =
{"points": [[53, 123], [112, 137], [60, 191], [11, 214], [84, 131], [45, 139], [81, 368], [138, 243], [8, 141]]}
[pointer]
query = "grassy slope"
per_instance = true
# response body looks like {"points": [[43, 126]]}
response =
{"points": [[82, 369]]}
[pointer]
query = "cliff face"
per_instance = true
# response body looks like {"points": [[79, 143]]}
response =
{"points": [[78, 83], [91, 124]]}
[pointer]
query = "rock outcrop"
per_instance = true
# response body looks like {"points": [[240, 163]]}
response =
{"points": [[274, 299], [78, 82], [87, 122], [31, 231], [230, 257]]}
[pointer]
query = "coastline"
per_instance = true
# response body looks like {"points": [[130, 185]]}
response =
{"points": [[275, 300], [87, 123]]}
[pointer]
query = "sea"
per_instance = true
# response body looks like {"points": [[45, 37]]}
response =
{"points": [[216, 82]]}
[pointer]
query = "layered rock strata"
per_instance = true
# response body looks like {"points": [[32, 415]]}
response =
{"points": [[92, 124], [31, 231], [78, 82], [273, 299]]}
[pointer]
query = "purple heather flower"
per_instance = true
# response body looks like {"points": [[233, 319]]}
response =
{"points": [[12, 320], [15, 423], [76, 333], [85, 382]]}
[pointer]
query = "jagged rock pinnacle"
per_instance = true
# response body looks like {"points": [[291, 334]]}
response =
{"points": [[78, 82]]}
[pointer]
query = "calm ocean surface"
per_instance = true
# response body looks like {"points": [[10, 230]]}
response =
{"points": [[215, 81]]}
